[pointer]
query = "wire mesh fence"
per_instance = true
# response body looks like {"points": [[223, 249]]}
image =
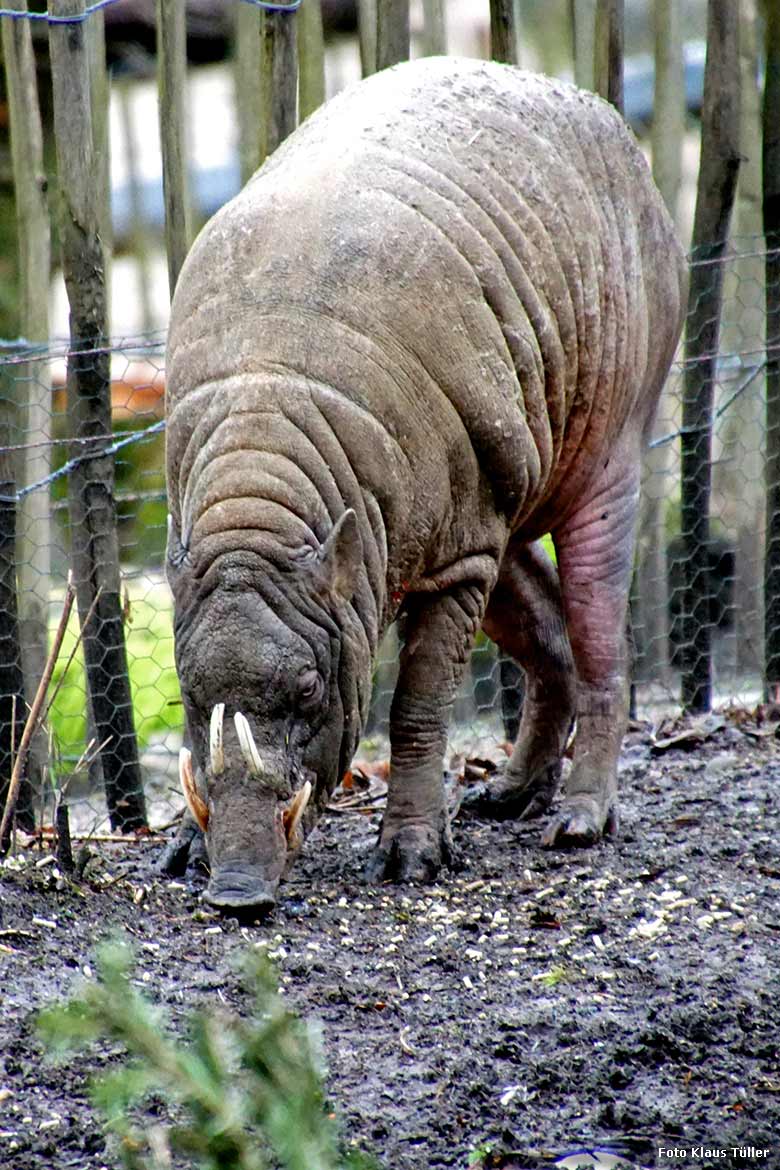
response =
{"points": [[38, 454]]}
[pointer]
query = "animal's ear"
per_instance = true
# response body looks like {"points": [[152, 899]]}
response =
{"points": [[340, 557]]}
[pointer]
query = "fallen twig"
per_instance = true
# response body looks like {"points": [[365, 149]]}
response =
{"points": [[109, 838]]}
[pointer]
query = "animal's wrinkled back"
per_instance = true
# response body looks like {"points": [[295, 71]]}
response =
{"points": [[456, 244]]}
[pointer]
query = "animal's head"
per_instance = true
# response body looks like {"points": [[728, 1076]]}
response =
{"points": [[275, 675]]}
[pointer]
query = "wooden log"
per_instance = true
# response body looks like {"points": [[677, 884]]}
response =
{"points": [[393, 37], [718, 172], [367, 36], [279, 77], [33, 383], [771, 214], [434, 28], [311, 58], [505, 31], [608, 62], [95, 551], [171, 81]]}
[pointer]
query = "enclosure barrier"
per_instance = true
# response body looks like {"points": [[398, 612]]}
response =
{"points": [[733, 587], [81, 479]]}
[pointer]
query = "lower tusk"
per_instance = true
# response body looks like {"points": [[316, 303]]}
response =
{"points": [[215, 739], [195, 801], [247, 742], [293, 815]]}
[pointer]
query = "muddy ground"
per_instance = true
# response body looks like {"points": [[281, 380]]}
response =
{"points": [[531, 1003]]}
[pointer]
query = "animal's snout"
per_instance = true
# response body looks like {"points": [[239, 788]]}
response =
{"points": [[241, 891]]}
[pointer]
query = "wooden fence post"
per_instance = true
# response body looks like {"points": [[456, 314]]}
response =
{"points": [[248, 95], [650, 601], [139, 236], [505, 31], [435, 28], [582, 18], [718, 171], [392, 32], [608, 62], [771, 213], [99, 97], [311, 58], [668, 129], [171, 80], [12, 709], [33, 397], [367, 36], [91, 486], [279, 77]]}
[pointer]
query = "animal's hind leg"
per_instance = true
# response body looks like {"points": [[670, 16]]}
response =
{"points": [[525, 617], [595, 548]]}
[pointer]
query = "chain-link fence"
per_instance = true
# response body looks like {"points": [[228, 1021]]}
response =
{"points": [[37, 454]]}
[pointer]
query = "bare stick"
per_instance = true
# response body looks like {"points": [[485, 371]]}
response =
{"points": [[42, 836], [121, 839], [85, 760], [35, 710]]}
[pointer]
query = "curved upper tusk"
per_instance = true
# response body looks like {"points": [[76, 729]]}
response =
{"points": [[215, 739], [293, 814], [248, 745], [195, 801]]}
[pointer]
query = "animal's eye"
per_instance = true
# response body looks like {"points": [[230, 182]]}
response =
{"points": [[309, 688]]}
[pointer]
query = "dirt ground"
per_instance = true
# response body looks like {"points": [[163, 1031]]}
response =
{"points": [[532, 1003]]}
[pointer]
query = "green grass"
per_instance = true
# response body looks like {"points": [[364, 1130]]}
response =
{"points": [[153, 681]]}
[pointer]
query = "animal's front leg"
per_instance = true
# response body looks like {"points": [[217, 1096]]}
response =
{"points": [[415, 839], [187, 850]]}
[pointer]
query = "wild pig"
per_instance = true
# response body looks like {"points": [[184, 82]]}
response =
{"points": [[432, 328]]}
